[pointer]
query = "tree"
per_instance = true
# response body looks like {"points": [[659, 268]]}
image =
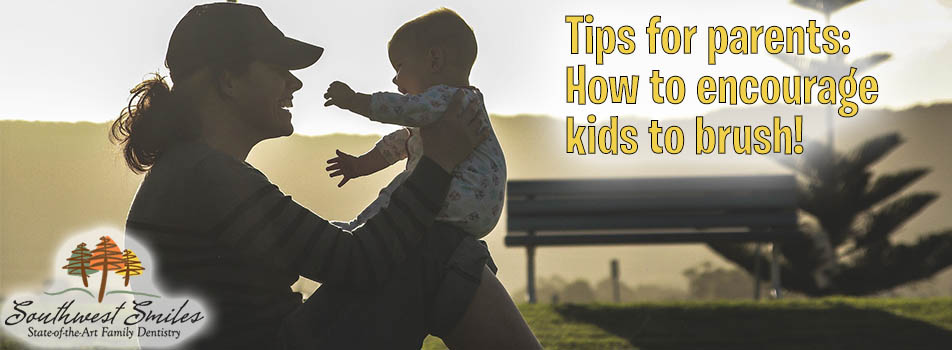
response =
{"points": [[131, 265], [578, 292], [604, 292], [827, 7], [106, 257], [707, 282], [79, 263], [847, 250], [833, 65]]}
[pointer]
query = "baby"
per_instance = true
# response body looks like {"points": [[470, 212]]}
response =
{"points": [[432, 55]]}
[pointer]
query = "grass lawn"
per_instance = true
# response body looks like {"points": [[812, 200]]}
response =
{"points": [[828, 323], [812, 324]]}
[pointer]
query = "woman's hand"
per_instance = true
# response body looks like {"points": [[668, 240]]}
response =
{"points": [[453, 137]]}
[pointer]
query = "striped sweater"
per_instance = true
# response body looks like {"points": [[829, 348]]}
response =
{"points": [[219, 229]]}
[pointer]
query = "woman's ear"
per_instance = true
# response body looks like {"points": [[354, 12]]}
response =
{"points": [[436, 59], [225, 83]]}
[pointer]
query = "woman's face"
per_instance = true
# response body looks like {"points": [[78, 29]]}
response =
{"points": [[262, 96]]}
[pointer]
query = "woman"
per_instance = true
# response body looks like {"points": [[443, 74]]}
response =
{"points": [[221, 230]]}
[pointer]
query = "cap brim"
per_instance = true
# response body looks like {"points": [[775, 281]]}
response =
{"points": [[296, 54]]}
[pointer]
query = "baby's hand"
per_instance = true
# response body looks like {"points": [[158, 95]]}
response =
{"points": [[345, 165], [340, 95]]}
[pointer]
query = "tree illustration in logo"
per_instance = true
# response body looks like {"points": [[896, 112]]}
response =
{"points": [[79, 263], [106, 257], [131, 265]]}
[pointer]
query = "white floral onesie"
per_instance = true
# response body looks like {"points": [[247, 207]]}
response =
{"points": [[474, 201]]}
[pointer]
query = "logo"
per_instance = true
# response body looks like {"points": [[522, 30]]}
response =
{"points": [[106, 257], [104, 296]]}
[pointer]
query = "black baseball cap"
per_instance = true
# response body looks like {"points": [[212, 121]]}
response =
{"points": [[219, 32]]}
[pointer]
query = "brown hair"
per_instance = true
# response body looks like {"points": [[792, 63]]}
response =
{"points": [[158, 116], [150, 123], [443, 28]]}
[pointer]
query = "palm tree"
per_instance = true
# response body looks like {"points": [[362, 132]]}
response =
{"points": [[846, 250]]}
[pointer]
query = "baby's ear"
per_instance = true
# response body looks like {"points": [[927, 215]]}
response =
{"points": [[436, 58]]}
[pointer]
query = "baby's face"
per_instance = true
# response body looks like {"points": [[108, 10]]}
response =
{"points": [[411, 67]]}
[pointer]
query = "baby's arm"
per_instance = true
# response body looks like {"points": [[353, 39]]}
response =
{"points": [[341, 95], [390, 149], [393, 147], [392, 108], [410, 110]]}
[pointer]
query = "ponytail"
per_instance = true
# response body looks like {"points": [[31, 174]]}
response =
{"points": [[153, 120]]}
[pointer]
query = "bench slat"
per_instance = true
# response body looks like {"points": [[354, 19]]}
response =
{"points": [[701, 220], [641, 238], [641, 185], [777, 199]]}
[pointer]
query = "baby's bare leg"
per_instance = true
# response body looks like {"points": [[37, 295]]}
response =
{"points": [[491, 321]]}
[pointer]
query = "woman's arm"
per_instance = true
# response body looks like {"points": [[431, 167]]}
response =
{"points": [[267, 222], [262, 220]]}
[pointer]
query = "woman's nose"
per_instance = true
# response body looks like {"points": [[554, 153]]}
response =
{"points": [[394, 80], [294, 83]]}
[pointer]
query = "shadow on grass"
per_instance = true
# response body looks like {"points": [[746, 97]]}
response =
{"points": [[759, 326]]}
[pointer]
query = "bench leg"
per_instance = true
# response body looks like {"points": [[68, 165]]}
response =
{"points": [[616, 288], [775, 270], [757, 250], [530, 273]]}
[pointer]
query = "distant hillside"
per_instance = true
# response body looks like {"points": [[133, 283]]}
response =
{"points": [[57, 178]]}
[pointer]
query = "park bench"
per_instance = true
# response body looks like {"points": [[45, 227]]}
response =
{"points": [[652, 211]]}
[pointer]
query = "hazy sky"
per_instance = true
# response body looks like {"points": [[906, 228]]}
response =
{"points": [[76, 60]]}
